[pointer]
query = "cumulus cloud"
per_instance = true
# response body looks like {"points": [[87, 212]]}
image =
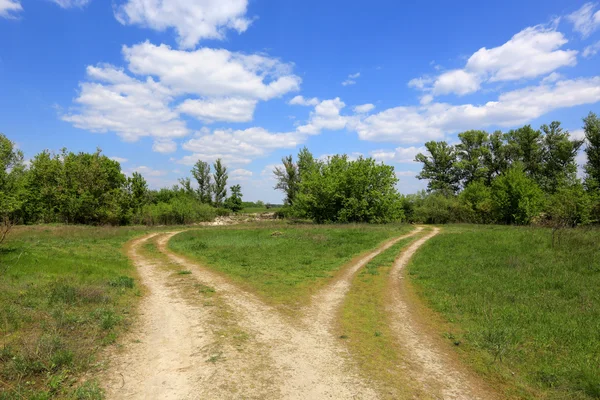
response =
{"points": [[213, 72], [585, 20], [10, 8], [325, 116], [415, 124], [120, 160], [237, 146], [302, 101], [399, 155], [164, 146], [219, 109], [364, 108], [191, 20], [240, 174], [533, 52]]}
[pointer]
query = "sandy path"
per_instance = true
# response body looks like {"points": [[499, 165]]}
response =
{"points": [[431, 364]]}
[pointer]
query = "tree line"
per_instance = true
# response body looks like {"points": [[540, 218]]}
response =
{"points": [[517, 177], [90, 188]]}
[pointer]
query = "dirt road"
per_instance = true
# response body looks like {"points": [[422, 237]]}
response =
{"points": [[232, 345]]}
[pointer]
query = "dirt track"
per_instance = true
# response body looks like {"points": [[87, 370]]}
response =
{"points": [[183, 348]]}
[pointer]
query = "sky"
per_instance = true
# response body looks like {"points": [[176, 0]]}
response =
{"points": [[159, 84]]}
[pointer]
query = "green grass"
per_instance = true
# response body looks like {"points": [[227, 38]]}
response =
{"points": [[364, 323], [254, 210], [65, 292], [284, 264], [526, 314]]}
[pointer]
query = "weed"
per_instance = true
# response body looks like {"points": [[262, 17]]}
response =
{"points": [[184, 272], [122, 282]]}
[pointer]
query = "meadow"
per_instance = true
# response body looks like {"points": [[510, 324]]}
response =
{"points": [[66, 292], [522, 311], [283, 263]]}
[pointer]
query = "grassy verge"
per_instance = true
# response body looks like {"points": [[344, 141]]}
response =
{"points": [[284, 264], [364, 324], [65, 292], [526, 314]]}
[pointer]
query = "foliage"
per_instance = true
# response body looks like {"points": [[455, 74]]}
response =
{"points": [[591, 128], [234, 202], [340, 190], [220, 182], [201, 173], [182, 209], [288, 179], [569, 206], [440, 167], [477, 200], [517, 198]]}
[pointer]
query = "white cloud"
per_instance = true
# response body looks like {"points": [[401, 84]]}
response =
{"points": [[399, 155], [325, 116], [71, 3], [240, 174], [192, 20], [213, 72], [114, 101], [553, 77], [219, 109], [533, 52], [457, 81], [146, 171], [164, 146], [351, 80], [591, 50], [433, 121], [120, 160], [364, 108], [10, 8], [585, 20], [237, 146], [405, 173], [578, 134], [302, 101]]}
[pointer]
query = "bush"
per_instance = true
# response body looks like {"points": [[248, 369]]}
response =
{"points": [[516, 198], [179, 210], [569, 206], [476, 200], [437, 208]]}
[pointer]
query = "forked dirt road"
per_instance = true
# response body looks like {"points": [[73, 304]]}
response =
{"points": [[232, 345]]}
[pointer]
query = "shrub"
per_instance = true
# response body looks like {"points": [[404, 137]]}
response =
{"points": [[179, 210], [476, 199], [516, 198]]}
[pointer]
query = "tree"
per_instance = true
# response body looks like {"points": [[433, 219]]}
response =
{"points": [[496, 158], [591, 127], [477, 199], [525, 146], [12, 170], [471, 152], [220, 186], [558, 157], [186, 187], [201, 173], [439, 167], [287, 179], [517, 198], [234, 202], [138, 189]]}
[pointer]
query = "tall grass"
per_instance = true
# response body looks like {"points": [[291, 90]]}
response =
{"points": [[526, 312], [282, 263], [178, 211], [65, 292]]}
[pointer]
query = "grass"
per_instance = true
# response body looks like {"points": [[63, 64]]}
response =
{"points": [[254, 210], [364, 323], [526, 313], [284, 264], [65, 292]]}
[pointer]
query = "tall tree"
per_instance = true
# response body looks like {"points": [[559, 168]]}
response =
{"points": [[288, 178], [558, 157], [496, 158], [591, 127], [471, 152], [525, 146], [12, 191], [201, 172], [234, 202], [220, 186], [138, 189], [439, 167]]}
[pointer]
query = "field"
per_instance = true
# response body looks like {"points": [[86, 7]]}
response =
{"points": [[507, 312], [65, 293], [526, 313]]}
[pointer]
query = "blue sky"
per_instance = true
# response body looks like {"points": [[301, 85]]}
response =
{"points": [[160, 84]]}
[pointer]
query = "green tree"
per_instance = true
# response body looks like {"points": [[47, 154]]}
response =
{"points": [[496, 159], [525, 146], [591, 127], [472, 152], [517, 199], [569, 206], [288, 179], [439, 167], [234, 202], [12, 189], [558, 157], [201, 173], [477, 200], [138, 190], [220, 186]]}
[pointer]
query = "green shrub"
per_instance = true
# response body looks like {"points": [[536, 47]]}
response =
{"points": [[179, 210], [517, 199]]}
